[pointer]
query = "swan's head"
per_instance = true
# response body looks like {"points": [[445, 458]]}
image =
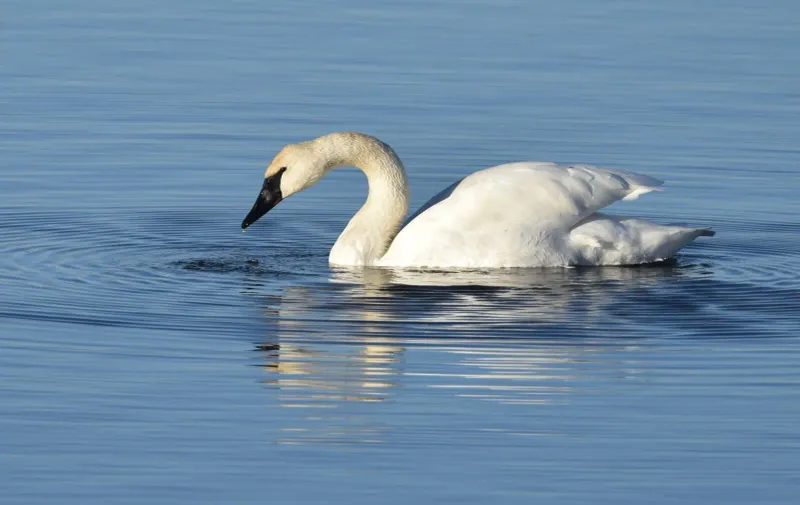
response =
{"points": [[300, 166], [295, 168]]}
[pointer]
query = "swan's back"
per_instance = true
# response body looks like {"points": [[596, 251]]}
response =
{"points": [[519, 214]]}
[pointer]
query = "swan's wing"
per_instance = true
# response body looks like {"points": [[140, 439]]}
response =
{"points": [[512, 209], [550, 195]]}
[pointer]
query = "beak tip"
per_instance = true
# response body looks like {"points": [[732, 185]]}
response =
{"points": [[268, 198]]}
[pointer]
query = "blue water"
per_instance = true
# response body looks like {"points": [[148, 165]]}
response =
{"points": [[151, 352]]}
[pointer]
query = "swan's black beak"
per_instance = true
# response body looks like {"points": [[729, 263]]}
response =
{"points": [[269, 197]]}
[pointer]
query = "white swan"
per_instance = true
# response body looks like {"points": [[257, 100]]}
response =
{"points": [[529, 214]]}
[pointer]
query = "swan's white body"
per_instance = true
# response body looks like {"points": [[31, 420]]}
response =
{"points": [[528, 214], [535, 214]]}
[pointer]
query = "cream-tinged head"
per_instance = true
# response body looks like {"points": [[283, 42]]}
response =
{"points": [[300, 166], [295, 168]]}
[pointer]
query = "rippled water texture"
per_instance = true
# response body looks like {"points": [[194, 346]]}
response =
{"points": [[152, 352]]}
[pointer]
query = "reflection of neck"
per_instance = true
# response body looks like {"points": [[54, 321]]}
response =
{"points": [[370, 232]]}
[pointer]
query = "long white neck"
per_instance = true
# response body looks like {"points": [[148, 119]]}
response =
{"points": [[370, 232]]}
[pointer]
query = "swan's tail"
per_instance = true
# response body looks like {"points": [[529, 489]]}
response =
{"points": [[604, 239]]}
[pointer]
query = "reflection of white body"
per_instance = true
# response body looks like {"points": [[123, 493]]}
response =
{"points": [[517, 215], [373, 335]]}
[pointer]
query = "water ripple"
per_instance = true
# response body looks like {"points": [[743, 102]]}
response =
{"points": [[109, 264], [326, 338]]}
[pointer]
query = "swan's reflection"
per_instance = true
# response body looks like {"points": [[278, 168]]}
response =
{"points": [[371, 335], [361, 374], [501, 278]]}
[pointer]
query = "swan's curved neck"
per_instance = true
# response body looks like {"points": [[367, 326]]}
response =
{"points": [[370, 232]]}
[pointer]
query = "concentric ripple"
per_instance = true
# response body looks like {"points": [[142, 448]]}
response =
{"points": [[137, 269], [183, 269], [325, 340], [325, 337]]}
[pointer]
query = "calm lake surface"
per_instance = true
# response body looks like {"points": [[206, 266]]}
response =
{"points": [[151, 352]]}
